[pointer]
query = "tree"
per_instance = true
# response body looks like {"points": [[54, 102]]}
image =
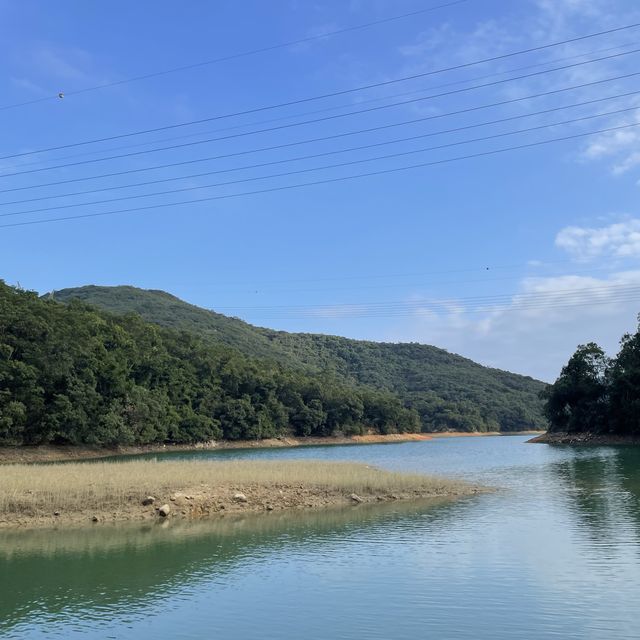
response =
{"points": [[624, 381], [578, 400]]}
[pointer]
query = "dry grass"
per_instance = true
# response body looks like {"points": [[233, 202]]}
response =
{"points": [[28, 489]]}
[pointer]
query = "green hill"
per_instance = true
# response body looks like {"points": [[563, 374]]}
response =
{"points": [[449, 392], [73, 374]]}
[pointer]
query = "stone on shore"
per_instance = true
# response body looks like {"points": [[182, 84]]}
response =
{"points": [[164, 510], [239, 497], [148, 500]]}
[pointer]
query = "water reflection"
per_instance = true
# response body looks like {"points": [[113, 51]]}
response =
{"points": [[553, 554], [48, 572], [602, 486]]}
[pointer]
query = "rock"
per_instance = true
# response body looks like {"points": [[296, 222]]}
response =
{"points": [[164, 510], [239, 497], [148, 500], [56, 513], [269, 507], [355, 497], [95, 519]]}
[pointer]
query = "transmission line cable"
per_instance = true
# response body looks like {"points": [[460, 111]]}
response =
{"points": [[351, 90], [235, 56], [332, 108], [325, 167], [624, 288], [325, 181], [340, 135], [423, 119]]}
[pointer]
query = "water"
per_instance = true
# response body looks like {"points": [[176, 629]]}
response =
{"points": [[555, 553]]}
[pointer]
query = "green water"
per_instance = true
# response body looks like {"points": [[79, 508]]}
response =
{"points": [[555, 553]]}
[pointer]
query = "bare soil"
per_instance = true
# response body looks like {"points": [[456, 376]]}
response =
{"points": [[204, 502]]}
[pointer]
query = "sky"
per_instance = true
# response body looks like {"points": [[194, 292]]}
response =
{"points": [[509, 256]]}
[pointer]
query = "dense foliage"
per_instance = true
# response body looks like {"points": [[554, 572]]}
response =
{"points": [[597, 394], [73, 374], [448, 392]]}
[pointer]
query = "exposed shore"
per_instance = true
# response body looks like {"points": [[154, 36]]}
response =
{"points": [[75, 493], [585, 438], [51, 453]]}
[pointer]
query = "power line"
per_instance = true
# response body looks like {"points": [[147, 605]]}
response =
{"points": [[342, 115], [479, 268], [344, 91], [493, 298], [336, 107], [318, 155], [235, 56], [322, 182], [423, 119], [469, 310], [325, 138], [328, 311], [254, 288]]}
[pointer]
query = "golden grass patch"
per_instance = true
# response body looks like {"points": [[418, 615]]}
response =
{"points": [[101, 486]]}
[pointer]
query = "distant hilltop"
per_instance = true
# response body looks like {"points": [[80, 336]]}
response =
{"points": [[448, 392]]}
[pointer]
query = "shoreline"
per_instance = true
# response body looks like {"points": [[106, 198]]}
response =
{"points": [[137, 491], [63, 453], [189, 506], [594, 439]]}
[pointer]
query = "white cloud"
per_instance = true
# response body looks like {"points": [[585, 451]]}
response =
{"points": [[548, 21], [536, 330], [619, 240], [63, 65], [623, 145], [25, 83]]}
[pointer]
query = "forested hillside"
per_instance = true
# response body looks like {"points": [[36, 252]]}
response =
{"points": [[448, 392], [74, 374]]}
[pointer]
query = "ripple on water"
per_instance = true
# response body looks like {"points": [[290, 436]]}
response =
{"points": [[554, 553]]}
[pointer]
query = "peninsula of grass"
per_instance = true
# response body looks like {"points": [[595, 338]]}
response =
{"points": [[97, 492]]}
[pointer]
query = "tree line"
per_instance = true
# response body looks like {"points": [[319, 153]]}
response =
{"points": [[70, 374], [597, 394]]}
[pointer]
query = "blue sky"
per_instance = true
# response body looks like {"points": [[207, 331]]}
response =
{"points": [[511, 259]]}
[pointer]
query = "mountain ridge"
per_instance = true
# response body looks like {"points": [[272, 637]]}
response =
{"points": [[449, 391]]}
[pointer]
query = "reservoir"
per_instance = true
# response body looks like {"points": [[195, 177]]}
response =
{"points": [[554, 552]]}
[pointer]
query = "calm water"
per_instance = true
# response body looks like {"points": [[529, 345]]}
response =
{"points": [[554, 554]]}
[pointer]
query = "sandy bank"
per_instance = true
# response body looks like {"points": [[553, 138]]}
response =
{"points": [[75, 493], [585, 438], [50, 453]]}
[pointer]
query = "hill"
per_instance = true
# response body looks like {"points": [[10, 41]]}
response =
{"points": [[72, 374], [449, 392]]}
